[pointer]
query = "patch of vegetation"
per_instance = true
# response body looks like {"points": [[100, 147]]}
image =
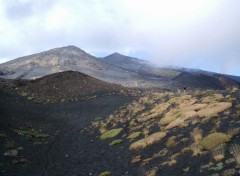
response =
{"points": [[135, 159], [151, 172], [218, 154], [37, 143], [176, 123], [170, 163], [214, 109], [123, 107], [134, 135], [196, 134], [171, 142], [2, 136], [90, 97], [143, 143], [111, 133], [235, 150], [115, 142], [178, 115], [152, 115], [31, 133], [167, 119], [98, 118], [213, 140], [9, 145], [105, 173]]}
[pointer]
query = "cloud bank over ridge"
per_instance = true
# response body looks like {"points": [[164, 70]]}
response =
{"points": [[197, 34]]}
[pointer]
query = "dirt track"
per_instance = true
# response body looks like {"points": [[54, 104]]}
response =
{"points": [[68, 150]]}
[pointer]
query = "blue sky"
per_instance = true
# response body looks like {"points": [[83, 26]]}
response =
{"points": [[198, 34]]}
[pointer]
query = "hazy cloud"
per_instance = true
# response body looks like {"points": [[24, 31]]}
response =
{"points": [[200, 34]]}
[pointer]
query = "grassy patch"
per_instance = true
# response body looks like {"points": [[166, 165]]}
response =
{"points": [[171, 142], [167, 119], [123, 107], [9, 145], [178, 115], [218, 154], [105, 173], [213, 140], [98, 118], [115, 142], [37, 143], [111, 133], [2, 136], [235, 150], [143, 143], [176, 123], [214, 109], [134, 135], [32, 133]]}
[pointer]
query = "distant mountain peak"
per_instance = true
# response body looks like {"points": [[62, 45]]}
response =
{"points": [[116, 54], [69, 47], [72, 47]]}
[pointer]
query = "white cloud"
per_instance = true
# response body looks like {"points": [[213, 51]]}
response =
{"points": [[191, 33]]}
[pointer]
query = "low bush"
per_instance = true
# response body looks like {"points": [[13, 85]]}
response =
{"points": [[111, 133], [213, 140], [105, 173], [214, 109], [143, 143], [235, 151], [171, 142], [31, 133], [134, 135], [218, 154], [115, 142]]}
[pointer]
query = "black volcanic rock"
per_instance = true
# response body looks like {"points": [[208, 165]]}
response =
{"points": [[125, 62], [63, 86], [198, 81]]}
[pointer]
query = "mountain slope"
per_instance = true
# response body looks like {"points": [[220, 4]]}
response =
{"points": [[142, 67], [125, 62], [63, 59], [200, 81], [64, 86], [205, 81], [115, 68]]}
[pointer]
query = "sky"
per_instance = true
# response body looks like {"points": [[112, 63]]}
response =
{"points": [[199, 34]]}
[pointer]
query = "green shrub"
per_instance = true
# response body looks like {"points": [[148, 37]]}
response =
{"points": [[32, 133], [37, 143], [9, 145], [213, 140], [171, 142], [111, 133], [98, 118], [105, 173], [2, 135], [134, 135], [115, 142], [143, 143]]}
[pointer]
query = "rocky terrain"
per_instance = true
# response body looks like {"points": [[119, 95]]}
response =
{"points": [[115, 68], [62, 114], [62, 59], [71, 124], [61, 87], [194, 133]]}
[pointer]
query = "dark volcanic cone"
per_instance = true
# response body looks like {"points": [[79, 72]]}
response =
{"points": [[65, 86]]}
